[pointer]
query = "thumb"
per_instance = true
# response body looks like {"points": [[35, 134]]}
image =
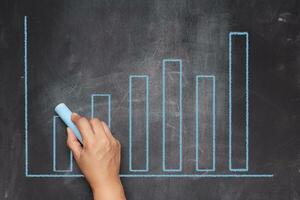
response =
{"points": [[73, 144]]}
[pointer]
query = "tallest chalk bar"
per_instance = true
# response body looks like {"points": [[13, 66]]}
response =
{"points": [[65, 114]]}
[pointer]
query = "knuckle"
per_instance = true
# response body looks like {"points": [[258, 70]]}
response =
{"points": [[103, 123], [115, 145], [106, 143], [82, 120], [76, 119], [68, 143], [91, 143], [115, 142], [109, 148], [95, 120]]}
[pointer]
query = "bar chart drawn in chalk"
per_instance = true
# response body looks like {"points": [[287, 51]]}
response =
{"points": [[172, 134]]}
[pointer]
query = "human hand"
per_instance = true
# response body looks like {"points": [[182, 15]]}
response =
{"points": [[98, 157]]}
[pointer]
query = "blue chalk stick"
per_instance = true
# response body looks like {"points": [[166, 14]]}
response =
{"points": [[65, 114]]}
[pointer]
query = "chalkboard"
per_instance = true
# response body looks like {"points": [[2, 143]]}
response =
{"points": [[203, 95]]}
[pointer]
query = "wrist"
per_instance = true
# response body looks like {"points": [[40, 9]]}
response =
{"points": [[104, 182], [111, 189]]}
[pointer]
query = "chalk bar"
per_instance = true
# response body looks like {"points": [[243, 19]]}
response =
{"points": [[65, 114]]}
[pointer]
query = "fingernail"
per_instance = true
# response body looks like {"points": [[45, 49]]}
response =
{"points": [[76, 114]]}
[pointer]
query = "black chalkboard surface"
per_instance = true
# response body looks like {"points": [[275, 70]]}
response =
{"points": [[204, 96]]}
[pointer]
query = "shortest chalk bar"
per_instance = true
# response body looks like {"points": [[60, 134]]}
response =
{"points": [[65, 114]]}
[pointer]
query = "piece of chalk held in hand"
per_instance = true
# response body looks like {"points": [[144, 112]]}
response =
{"points": [[65, 114]]}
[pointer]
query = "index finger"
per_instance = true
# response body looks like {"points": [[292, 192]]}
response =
{"points": [[84, 127], [98, 128]]}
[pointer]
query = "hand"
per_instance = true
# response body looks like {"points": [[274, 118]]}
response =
{"points": [[98, 157]]}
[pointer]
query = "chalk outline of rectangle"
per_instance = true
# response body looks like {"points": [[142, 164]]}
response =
{"points": [[164, 115], [130, 123], [159, 175], [109, 105], [47, 175], [54, 150], [246, 104], [214, 123], [26, 92]]}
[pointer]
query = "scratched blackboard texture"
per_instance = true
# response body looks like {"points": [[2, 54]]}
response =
{"points": [[76, 48]]}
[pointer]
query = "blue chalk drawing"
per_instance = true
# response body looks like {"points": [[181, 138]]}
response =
{"points": [[213, 111], [26, 92], [245, 34], [108, 96], [164, 132], [159, 175], [130, 121], [166, 172], [54, 151]]}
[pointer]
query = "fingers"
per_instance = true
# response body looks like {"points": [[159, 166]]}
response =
{"points": [[84, 127], [101, 129], [107, 131], [73, 143], [98, 128], [91, 129]]}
